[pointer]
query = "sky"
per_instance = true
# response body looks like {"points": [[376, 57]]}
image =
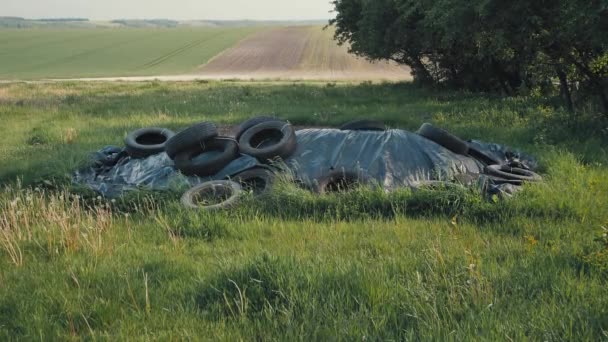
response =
{"points": [[172, 9]]}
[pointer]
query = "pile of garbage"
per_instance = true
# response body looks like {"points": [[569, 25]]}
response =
{"points": [[217, 168]]}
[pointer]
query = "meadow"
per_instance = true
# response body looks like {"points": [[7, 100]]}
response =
{"points": [[366, 265], [69, 53]]}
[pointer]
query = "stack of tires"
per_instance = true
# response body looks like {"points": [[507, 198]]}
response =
{"points": [[200, 151], [500, 171]]}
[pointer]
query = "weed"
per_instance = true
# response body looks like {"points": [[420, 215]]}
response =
{"points": [[70, 136]]}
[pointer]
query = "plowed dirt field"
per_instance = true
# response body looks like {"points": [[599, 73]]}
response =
{"points": [[297, 53]]}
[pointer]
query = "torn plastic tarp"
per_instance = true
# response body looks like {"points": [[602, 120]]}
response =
{"points": [[394, 159]]}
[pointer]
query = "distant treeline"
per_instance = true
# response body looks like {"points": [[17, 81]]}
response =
{"points": [[18, 22], [146, 22], [61, 19], [44, 19]]}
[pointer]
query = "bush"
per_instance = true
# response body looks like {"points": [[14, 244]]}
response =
{"points": [[486, 45]]}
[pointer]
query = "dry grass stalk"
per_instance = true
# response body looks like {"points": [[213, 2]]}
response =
{"points": [[55, 222]]}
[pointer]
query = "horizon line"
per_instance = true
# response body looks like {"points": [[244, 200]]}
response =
{"points": [[156, 18]]}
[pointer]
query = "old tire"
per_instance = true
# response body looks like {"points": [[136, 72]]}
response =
{"points": [[338, 181], [190, 163], [258, 181], [246, 125], [190, 137], [484, 157], [364, 125], [499, 181], [512, 173], [147, 141], [269, 140], [228, 192], [444, 138]]}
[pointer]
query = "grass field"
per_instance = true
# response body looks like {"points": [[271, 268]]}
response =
{"points": [[366, 265], [280, 52], [68, 53]]}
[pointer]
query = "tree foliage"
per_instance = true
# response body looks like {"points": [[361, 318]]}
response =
{"points": [[486, 45]]}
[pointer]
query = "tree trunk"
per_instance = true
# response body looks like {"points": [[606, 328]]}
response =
{"points": [[422, 74], [509, 82], [604, 100], [505, 87], [565, 88], [596, 81]]}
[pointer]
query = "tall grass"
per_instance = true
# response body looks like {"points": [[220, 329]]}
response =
{"points": [[50, 223]]}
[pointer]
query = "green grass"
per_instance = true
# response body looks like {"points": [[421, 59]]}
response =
{"points": [[429, 265], [67, 53]]}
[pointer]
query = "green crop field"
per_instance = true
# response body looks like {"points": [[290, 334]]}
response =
{"points": [[365, 265], [66, 53]]}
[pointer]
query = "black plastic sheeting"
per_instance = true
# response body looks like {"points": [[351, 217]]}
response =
{"points": [[394, 159]]}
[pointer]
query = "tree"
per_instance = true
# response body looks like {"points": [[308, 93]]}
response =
{"points": [[485, 45]]}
